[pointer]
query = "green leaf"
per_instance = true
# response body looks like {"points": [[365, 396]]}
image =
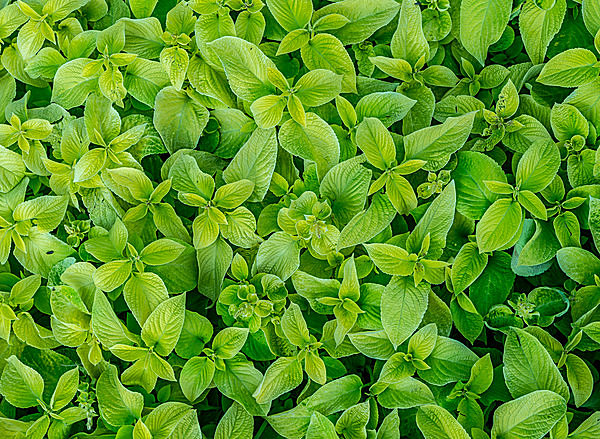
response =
{"points": [[364, 18], [229, 342], [12, 169], [529, 367], [291, 14], [567, 121], [346, 186], [530, 416], [196, 376], [279, 255], [538, 26], [71, 88], [499, 225], [282, 376], [579, 264], [532, 204], [450, 361], [255, 161], [268, 110], [588, 428], [250, 26], [320, 427], [235, 424], [494, 284], [436, 223], [163, 327], [179, 119], [482, 375], [245, 66], [482, 23], [391, 259], [66, 388], [21, 385], [538, 166], [118, 405], [316, 142], [143, 292], [390, 427], [467, 267], [571, 68], [213, 262], [294, 326], [161, 252], [324, 51], [435, 144], [409, 42], [352, 423], [376, 142], [144, 79], [238, 381], [389, 107], [105, 323], [437, 423], [403, 306], [112, 275], [580, 379], [318, 87], [473, 196], [368, 223], [406, 393]]}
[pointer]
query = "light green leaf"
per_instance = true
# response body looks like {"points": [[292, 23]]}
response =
{"points": [[580, 379], [531, 416], [316, 142], [409, 42], [529, 367], [467, 266], [406, 393], [291, 14], [279, 255], [179, 119], [21, 385], [538, 26], [436, 223], [196, 376], [282, 376], [324, 51], [473, 196], [376, 142], [368, 223], [163, 327], [318, 87], [71, 87], [245, 66], [435, 144], [144, 79], [237, 423], [538, 166], [255, 161], [571, 68], [118, 405], [346, 186], [364, 18], [403, 306], [579, 264], [229, 342], [437, 423], [498, 226], [482, 23]]}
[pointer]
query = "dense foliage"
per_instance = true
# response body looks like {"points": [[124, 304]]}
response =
{"points": [[362, 219]]}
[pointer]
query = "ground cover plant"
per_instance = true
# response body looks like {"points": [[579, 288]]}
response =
{"points": [[362, 219]]}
